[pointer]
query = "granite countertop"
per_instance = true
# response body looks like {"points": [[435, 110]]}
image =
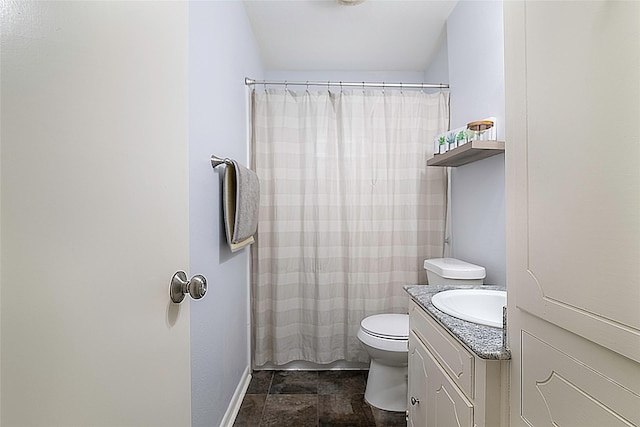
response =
{"points": [[486, 342]]}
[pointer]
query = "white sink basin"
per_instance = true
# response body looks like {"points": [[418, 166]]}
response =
{"points": [[481, 306]]}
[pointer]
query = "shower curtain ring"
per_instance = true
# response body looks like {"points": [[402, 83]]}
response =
{"points": [[307, 84], [286, 85]]}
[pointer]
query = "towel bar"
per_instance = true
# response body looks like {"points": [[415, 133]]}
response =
{"points": [[217, 161]]}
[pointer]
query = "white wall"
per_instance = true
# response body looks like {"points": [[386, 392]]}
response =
{"points": [[476, 72], [222, 51]]}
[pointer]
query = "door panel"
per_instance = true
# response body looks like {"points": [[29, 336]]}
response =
{"points": [[94, 213], [560, 390], [581, 218]]}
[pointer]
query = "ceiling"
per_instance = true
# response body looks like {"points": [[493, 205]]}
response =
{"points": [[323, 35]]}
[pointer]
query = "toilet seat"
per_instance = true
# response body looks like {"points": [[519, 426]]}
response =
{"points": [[389, 332], [388, 326]]}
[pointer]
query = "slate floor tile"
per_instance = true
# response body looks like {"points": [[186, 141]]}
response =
{"points": [[260, 382], [300, 410], [294, 382], [311, 399], [341, 382], [251, 410], [344, 410]]}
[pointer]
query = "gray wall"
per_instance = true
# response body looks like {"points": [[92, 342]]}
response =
{"points": [[475, 44], [222, 51], [345, 76], [438, 70]]}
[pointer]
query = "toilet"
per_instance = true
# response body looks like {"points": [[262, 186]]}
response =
{"points": [[385, 337]]}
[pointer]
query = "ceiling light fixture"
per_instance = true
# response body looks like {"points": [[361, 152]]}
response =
{"points": [[349, 2]]}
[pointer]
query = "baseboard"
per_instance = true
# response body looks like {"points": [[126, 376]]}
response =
{"points": [[236, 401]]}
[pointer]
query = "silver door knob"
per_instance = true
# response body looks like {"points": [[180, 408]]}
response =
{"points": [[414, 401], [196, 287]]}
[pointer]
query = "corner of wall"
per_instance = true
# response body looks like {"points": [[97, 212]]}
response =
{"points": [[475, 36], [438, 69]]}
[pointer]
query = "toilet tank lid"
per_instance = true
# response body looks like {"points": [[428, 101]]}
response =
{"points": [[451, 268]]}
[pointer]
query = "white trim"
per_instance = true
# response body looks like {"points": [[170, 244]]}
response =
{"points": [[236, 401], [301, 365], [249, 321]]}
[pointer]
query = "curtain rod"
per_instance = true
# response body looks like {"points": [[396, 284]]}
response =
{"points": [[383, 85]]}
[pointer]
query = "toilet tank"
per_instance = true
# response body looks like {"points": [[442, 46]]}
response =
{"points": [[451, 271]]}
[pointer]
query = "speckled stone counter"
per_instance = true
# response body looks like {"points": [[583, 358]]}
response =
{"points": [[484, 341]]}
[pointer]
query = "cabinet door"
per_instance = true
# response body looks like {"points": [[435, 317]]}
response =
{"points": [[449, 406], [444, 405], [418, 378]]}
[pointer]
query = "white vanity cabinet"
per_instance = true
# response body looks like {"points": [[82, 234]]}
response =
{"points": [[448, 384]]}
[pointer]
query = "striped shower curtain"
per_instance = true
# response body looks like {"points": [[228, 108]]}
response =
{"points": [[348, 213]]}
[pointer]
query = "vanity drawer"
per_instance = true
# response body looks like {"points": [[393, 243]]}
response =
{"points": [[456, 360]]}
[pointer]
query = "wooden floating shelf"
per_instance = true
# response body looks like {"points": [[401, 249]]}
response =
{"points": [[467, 153]]}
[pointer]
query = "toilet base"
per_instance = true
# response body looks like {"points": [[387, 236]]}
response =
{"points": [[387, 387]]}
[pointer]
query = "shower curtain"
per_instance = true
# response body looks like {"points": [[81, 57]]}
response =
{"points": [[348, 212]]}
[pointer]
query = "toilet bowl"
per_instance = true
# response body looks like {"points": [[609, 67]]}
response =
{"points": [[385, 337]]}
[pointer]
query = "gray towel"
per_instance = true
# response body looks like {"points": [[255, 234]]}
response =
{"points": [[241, 200]]}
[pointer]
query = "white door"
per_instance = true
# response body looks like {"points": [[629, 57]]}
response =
{"points": [[94, 213], [573, 197]]}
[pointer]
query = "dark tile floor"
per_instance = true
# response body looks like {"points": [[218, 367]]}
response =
{"points": [[310, 399]]}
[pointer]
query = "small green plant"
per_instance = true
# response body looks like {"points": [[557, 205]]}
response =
{"points": [[451, 138], [460, 136], [441, 140], [469, 134]]}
